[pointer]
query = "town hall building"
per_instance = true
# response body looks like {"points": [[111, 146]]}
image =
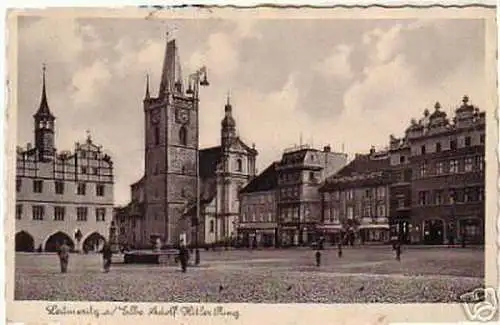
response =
{"points": [[61, 196]]}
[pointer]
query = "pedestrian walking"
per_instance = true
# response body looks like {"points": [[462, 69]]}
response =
{"points": [[63, 253], [339, 249], [318, 258], [183, 257], [398, 251], [107, 255]]}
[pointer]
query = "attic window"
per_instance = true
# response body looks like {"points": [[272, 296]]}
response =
{"points": [[239, 165]]}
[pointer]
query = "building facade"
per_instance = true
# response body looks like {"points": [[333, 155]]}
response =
{"points": [[258, 224], [128, 220], [171, 181], [446, 159], [224, 171], [355, 200], [171, 149], [300, 174], [61, 196]]}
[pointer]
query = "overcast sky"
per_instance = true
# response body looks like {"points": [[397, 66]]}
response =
{"points": [[335, 81]]}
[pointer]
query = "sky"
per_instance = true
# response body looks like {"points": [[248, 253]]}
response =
{"points": [[340, 82]]}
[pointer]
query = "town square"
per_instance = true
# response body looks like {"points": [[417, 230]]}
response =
{"points": [[252, 161], [362, 275]]}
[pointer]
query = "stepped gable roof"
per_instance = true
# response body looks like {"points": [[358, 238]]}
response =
{"points": [[265, 181]]}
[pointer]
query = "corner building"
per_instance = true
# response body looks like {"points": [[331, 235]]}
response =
{"points": [[65, 195], [446, 159], [300, 174]]}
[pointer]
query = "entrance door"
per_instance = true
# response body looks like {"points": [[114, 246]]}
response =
{"points": [[434, 232]]}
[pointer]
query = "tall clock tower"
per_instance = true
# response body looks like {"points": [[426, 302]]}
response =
{"points": [[171, 149], [44, 127]]}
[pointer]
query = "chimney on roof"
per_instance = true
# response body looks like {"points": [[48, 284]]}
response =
{"points": [[29, 146], [327, 148], [372, 150]]}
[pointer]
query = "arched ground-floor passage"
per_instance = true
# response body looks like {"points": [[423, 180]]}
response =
{"points": [[24, 242], [93, 242], [433, 231], [57, 239]]}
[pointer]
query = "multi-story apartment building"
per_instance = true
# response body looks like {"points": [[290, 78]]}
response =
{"points": [[446, 159], [355, 200], [61, 195], [300, 173], [400, 189], [259, 206]]}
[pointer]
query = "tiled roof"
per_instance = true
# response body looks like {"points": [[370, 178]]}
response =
{"points": [[209, 159], [363, 166], [265, 181]]}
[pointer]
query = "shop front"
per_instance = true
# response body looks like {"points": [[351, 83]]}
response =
{"points": [[376, 234], [257, 235]]}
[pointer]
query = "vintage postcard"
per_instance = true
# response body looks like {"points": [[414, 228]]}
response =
{"points": [[198, 165]]}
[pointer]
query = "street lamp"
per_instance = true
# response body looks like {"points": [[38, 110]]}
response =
{"points": [[197, 79]]}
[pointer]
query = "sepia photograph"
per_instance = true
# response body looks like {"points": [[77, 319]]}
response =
{"points": [[257, 158]]}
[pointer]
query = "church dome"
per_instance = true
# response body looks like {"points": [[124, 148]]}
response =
{"points": [[228, 120]]}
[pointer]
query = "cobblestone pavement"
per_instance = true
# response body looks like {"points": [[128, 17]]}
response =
{"points": [[273, 276]]}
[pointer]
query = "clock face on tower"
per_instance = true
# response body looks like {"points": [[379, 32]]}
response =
{"points": [[182, 115]]}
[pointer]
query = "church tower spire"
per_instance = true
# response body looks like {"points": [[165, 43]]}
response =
{"points": [[171, 75], [228, 125], [44, 125], [147, 95]]}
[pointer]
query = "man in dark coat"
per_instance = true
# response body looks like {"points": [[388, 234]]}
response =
{"points": [[398, 251], [107, 255], [183, 257], [318, 258], [63, 253]]}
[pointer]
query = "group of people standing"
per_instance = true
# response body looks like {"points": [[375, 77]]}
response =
{"points": [[63, 252], [396, 247]]}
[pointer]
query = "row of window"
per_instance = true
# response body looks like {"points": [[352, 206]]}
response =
{"points": [[438, 197], [296, 177], [38, 212], [257, 217], [369, 193], [81, 189], [183, 135], [453, 166], [453, 144]]}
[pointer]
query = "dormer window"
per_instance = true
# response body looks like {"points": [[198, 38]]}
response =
{"points": [[239, 165]]}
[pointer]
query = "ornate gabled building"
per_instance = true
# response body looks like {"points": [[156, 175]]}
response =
{"points": [[173, 177], [61, 196], [355, 200], [445, 160], [300, 174]]}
